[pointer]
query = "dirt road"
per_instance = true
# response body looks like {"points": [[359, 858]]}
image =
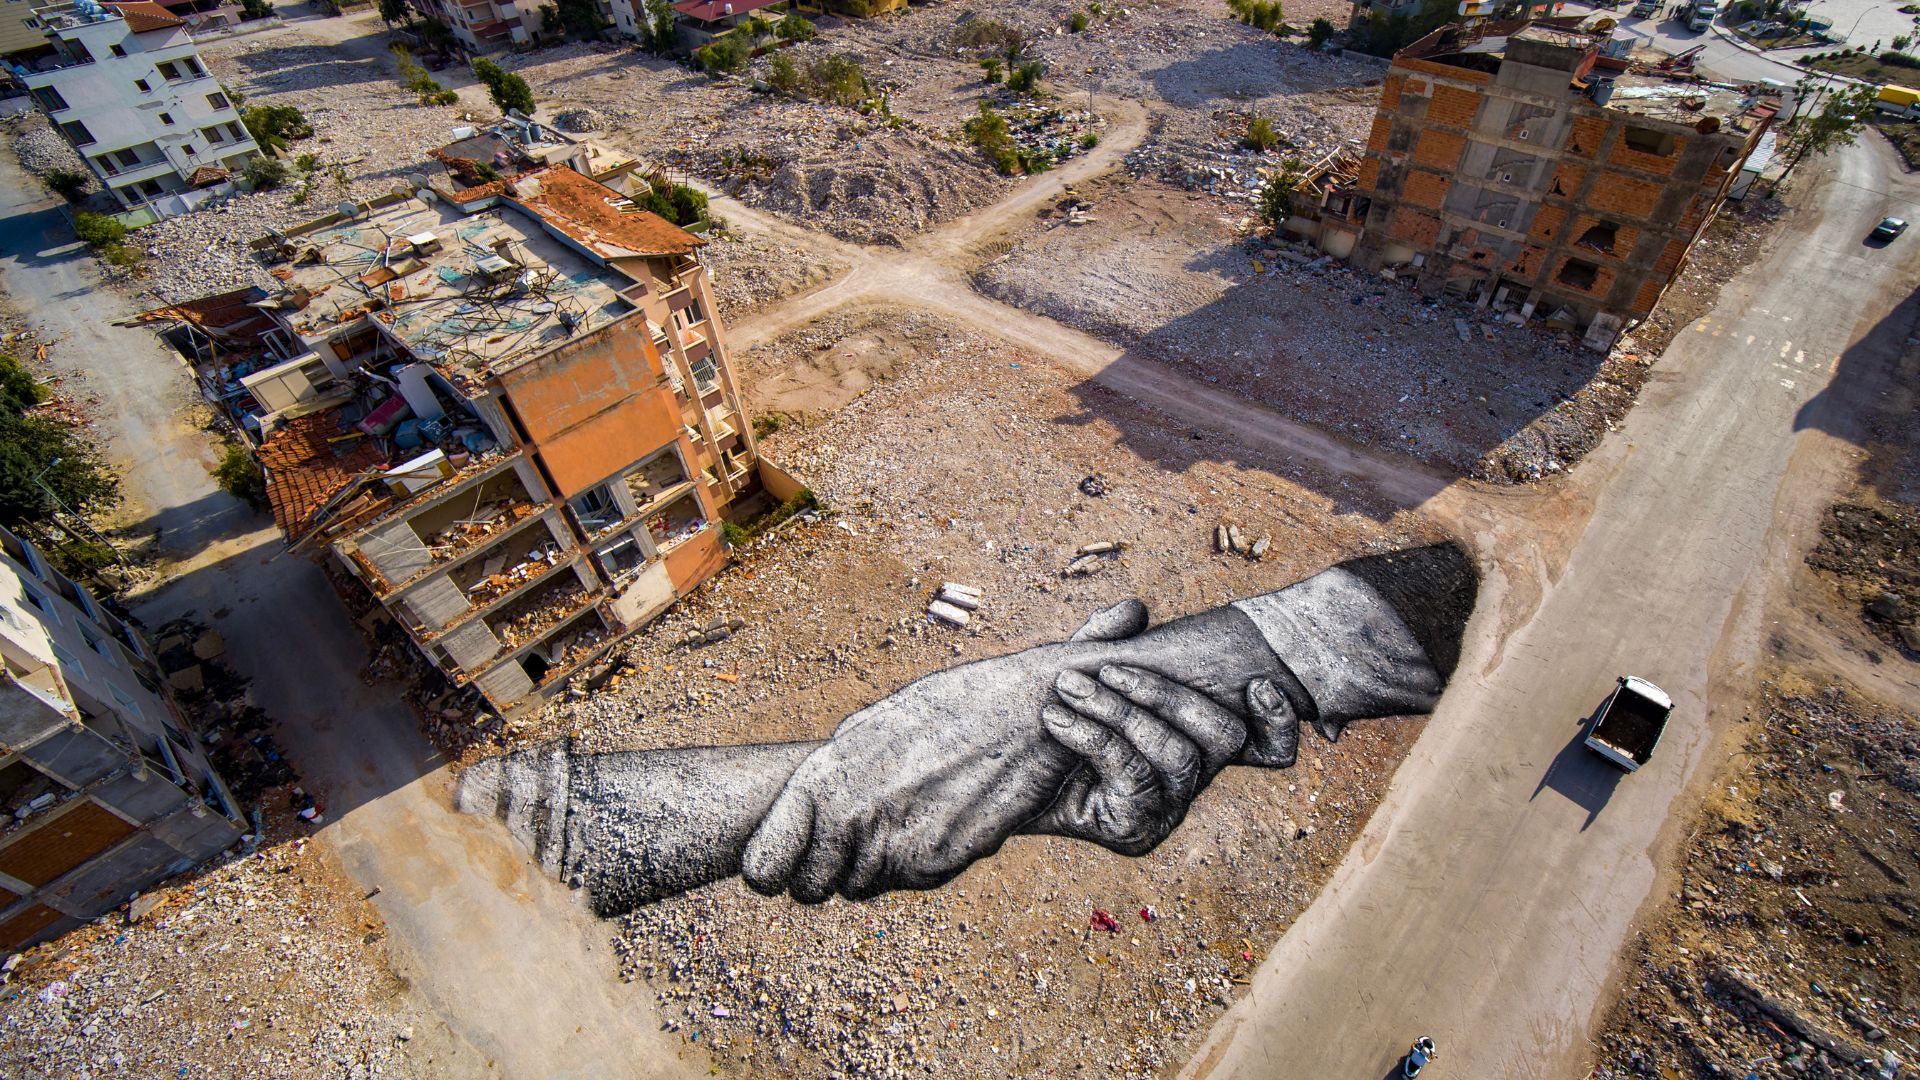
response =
{"points": [[1486, 902], [504, 957]]}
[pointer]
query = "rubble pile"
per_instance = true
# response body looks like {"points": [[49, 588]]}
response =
{"points": [[498, 579], [1871, 551], [269, 964], [1209, 157], [534, 615], [486, 520], [579, 120], [749, 272], [1789, 941], [39, 147]]}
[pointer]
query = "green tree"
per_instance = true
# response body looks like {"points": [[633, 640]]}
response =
{"points": [[784, 76], [99, 231], [508, 91], [660, 24], [1276, 197], [1837, 123], [796, 27], [393, 11], [255, 9], [272, 126], [1260, 135], [1077, 23], [239, 476], [1025, 79], [1318, 32], [266, 173], [727, 53], [43, 464]]}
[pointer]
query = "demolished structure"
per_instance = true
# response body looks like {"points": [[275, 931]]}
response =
{"points": [[507, 410], [102, 791], [1514, 164]]}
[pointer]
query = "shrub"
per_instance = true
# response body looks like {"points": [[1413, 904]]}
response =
{"points": [[446, 97], [1089, 141], [1900, 59], [66, 183], [99, 231], [677, 203], [1025, 79], [273, 125], [988, 131], [255, 9], [984, 36], [783, 75], [20, 391], [765, 424], [1260, 135], [1318, 32], [836, 80], [1276, 199], [1077, 23], [991, 68], [795, 27], [726, 53], [239, 477], [306, 163], [1261, 14], [266, 173]]}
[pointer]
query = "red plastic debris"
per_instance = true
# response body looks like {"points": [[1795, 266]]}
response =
{"points": [[1103, 921]]}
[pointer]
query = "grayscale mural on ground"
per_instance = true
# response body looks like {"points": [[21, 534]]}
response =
{"points": [[1106, 737]]}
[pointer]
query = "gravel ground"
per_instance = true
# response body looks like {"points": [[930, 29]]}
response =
{"points": [[999, 972], [39, 147], [260, 966], [1180, 277]]}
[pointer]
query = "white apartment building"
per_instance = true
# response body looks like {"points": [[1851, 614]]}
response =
{"points": [[101, 790], [484, 26], [128, 90]]}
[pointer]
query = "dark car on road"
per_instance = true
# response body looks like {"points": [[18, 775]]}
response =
{"points": [[1888, 229]]}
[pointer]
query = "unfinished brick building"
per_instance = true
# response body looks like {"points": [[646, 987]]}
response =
{"points": [[508, 411], [1510, 165]]}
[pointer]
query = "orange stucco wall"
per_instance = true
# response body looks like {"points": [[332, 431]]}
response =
{"points": [[696, 560]]}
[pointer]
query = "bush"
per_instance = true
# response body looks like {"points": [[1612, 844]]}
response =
{"points": [[765, 424], [66, 183], [727, 53], [1089, 141], [20, 391], [1900, 59], [1276, 199], [1261, 14], [991, 69], [1025, 79], [783, 75], [984, 36], [677, 203], [266, 173], [1260, 135], [99, 231], [306, 163], [1318, 32], [509, 92], [272, 126], [1077, 23], [239, 477], [988, 131], [255, 9], [795, 27], [836, 80]]}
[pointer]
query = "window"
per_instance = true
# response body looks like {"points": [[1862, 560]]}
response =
{"points": [[39, 600], [194, 67], [50, 99], [95, 642], [597, 509], [69, 663], [126, 159], [126, 703], [187, 149], [1578, 273], [706, 373], [118, 51], [150, 189], [168, 70], [1648, 141], [167, 119], [77, 132], [622, 555], [142, 86], [218, 101]]}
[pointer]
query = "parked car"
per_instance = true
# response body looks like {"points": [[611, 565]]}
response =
{"points": [[1630, 723], [1888, 229]]}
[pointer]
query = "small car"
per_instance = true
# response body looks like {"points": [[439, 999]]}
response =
{"points": [[1889, 228]]}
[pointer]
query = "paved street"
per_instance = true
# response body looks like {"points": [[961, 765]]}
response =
{"points": [[1488, 898]]}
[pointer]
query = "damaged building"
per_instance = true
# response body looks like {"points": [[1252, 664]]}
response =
{"points": [[1513, 164], [102, 791], [506, 410]]}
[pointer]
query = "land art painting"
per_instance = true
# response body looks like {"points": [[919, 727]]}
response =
{"points": [[1106, 737]]}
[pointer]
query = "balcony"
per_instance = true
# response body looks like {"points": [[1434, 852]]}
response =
{"points": [[520, 559], [442, 523], [146, 170], [678, 520], [537, 612]]}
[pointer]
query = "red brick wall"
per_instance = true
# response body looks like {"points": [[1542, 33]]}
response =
{"points": [[1390, 93], [1427, 67], [1369, 176], [1439, 149], [1377, 137], [1616, 193], [1412, 227], [1546, 223], [1587, 136], [1454, 106], [1425, 189]]}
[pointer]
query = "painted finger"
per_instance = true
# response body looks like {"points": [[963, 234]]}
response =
{"points": [[1171, 753], [831, 852], [1122, 620], [775, 848], [1273, 739], [1215, 730], [1122, 771]]}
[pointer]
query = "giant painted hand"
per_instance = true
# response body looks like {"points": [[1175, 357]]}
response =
{"points": [[912, 789]]}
